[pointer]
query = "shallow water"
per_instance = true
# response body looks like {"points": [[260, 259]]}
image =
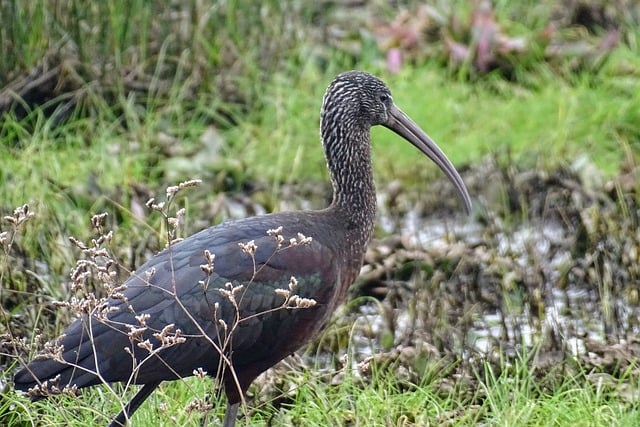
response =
{"points": [[536, 300]]}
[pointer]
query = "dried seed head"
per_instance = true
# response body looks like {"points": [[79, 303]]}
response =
{"points": [[70, 390], [249, 247], [168, 337], [190, 183], [198, 405], [200, 373], [157, 206], [53, 350], [97, 221], [171, 191], [142, 319], [229, 291], [77, 243], [304, 240], [135, 333], [275, 231], [305, 303], [283, 293], [167, 330], [173, 222], [208, 267], [208, 270], [296, 301], [20, 215], [146, 345]]}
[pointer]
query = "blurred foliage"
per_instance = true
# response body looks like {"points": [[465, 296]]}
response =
{"points": [[482, 38], [64, 54], [58, 57]]}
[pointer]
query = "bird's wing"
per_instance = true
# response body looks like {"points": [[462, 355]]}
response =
{"points": [[239, 298]]}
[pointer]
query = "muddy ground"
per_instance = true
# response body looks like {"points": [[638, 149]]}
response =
{"points": [[546, 270]]}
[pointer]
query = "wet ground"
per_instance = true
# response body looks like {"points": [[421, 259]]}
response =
{"points": [[546, 270]]}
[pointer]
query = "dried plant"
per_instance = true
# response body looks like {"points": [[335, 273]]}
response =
{"points": [[10, 345], [98, 267]]}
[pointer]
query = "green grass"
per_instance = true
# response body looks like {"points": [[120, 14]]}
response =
{"points": [[551, 124], [512, 398], [89, 165], [515, 398]]}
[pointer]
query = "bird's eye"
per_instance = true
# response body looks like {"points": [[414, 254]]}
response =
{"points": [[384, 98]]}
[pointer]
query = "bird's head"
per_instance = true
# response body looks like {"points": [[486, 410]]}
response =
{"points": [[359, 97], [355, 101]]}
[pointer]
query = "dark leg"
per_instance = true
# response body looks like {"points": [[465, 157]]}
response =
{"points": [[134, 403], [231, 415]]}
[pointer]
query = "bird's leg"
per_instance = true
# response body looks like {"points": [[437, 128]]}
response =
{"points": [[231, 415], [121, 419]]}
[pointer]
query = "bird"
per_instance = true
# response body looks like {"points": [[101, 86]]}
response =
{"points": [[234, 299]]}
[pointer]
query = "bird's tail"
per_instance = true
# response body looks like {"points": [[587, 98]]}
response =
{"points": [[43, 377]]}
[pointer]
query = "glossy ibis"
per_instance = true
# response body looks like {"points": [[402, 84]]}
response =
{"points": [[178, 287]]}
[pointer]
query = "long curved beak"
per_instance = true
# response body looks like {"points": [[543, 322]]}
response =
{"points": [[401, 124]]}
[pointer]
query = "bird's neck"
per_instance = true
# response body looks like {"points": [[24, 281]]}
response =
{"points": [[348, 153]]}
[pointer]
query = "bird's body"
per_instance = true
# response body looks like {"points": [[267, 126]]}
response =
{"points": [[237, 338], [178, 285]]}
